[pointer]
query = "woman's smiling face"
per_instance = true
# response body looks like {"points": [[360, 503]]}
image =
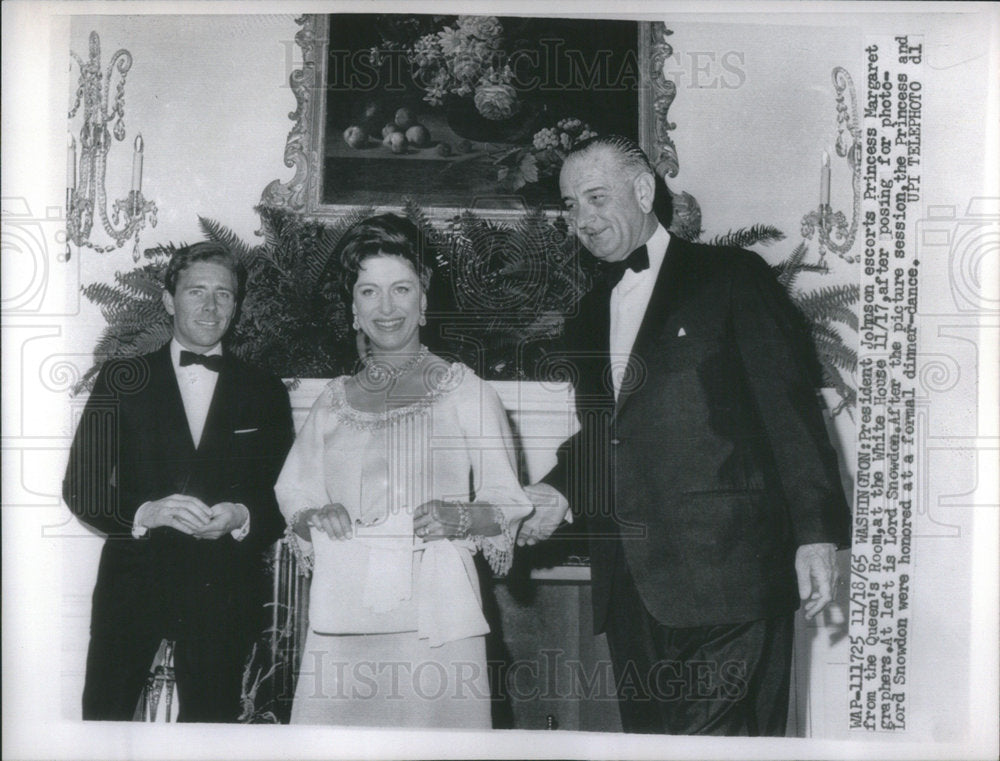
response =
{"points": [[388, 303]]}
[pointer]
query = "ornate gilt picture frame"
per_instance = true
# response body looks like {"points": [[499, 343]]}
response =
{"points": [[447, 166]]}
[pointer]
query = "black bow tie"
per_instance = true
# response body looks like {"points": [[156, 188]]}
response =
{"points": [[637, 261], [211, 362]]}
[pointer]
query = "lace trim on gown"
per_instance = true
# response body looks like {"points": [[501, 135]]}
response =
{"points": [[498, 550], [441, 383]]}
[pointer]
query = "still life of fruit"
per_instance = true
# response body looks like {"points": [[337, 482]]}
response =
{"points": [[400, 131], [355, 137]]}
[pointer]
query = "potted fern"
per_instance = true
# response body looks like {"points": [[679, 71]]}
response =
{"points": [[824, 308], [500, 295]]}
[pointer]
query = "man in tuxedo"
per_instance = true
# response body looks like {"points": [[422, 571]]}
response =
{"points": [[174, 460], [702, 471]]}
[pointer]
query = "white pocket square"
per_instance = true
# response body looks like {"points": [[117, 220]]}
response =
{"points": [[246, 430], [681, 333]]}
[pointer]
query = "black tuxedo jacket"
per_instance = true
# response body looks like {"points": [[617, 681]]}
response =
{"points": [[133, 445], [714, 465]]}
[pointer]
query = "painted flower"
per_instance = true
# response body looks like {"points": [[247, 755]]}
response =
{"points": [[465, 68], [449, 40], [483, 27], [497, 75], [435, 95], [496, 101], [466, 59], [426, 51], [484, 52], [570, 125]]}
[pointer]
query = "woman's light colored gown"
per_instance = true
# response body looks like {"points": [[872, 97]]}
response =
{"points": [[396, 630]]}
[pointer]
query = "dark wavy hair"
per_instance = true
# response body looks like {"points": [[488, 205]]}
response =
{"points": [[632, 157], [381, 235], [204, 251]]}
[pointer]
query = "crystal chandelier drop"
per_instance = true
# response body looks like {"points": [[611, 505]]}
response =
{"points": [[85, 189], [833, 230]]}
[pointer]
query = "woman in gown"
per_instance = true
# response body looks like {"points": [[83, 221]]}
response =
{"points": [[399, 475]]}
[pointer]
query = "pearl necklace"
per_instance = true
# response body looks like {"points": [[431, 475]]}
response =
{"points": [[381, 371]]}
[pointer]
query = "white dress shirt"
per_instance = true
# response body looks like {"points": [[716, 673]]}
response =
{"points": [[629, 300], [197, 386]]}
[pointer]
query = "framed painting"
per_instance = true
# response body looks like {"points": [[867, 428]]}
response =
{"points": [[463, 112]]}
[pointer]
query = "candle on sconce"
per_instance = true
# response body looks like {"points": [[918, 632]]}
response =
{"points": [[137, 165], [824, 181], [71, 164]]}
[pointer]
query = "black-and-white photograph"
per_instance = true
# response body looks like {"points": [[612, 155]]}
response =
{"points": [[500, 380]]}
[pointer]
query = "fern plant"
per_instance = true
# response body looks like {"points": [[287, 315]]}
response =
{"points": [[501, 291], [294, 319], [823, 308], [137, 322], [506, 289], [498, 301]]}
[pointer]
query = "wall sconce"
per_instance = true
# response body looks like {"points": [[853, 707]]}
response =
{"points": [[834, 232], [85, 191]]}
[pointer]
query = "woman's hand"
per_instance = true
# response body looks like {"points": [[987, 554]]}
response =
{"points": [[332, 520], [438, 519]]}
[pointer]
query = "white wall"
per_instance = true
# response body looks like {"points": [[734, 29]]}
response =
{"points": [[754, 110]]}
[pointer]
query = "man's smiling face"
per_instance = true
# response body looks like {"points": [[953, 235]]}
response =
{"points": [[608, 209], [202, 304]]}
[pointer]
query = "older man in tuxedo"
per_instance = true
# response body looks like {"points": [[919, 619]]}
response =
{"points": [[702, 470], [174, 460]]}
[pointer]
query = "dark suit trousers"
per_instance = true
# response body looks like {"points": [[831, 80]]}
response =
{"points": [[209, 678], [727, 680]]}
